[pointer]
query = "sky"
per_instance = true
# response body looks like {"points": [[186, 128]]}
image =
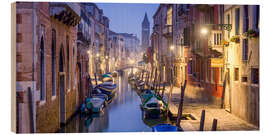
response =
{"points": [[128, 17]]}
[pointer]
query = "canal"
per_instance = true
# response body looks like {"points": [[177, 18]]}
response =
{"points": [[123, 114]]}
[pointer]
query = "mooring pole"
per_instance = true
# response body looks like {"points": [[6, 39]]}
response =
{"points": [[155, 77], [142, 75], [163, 89], [202, 120], [159, 84], [170, 93], [214, 126], [223, 92], [147, 80], [91, 86], [96, 78], [181, 103]]}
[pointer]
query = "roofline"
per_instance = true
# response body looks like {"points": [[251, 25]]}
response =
{"points": [[159, 7]]}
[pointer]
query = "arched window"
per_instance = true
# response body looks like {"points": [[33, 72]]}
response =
{"points": [[42, 70], [53, 51], [61, 59], [68, 62]]}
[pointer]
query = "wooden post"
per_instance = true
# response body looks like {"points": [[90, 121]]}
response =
{"points": [[151, 75], [96, 78], [170, 94], [214, 126], [181, 103], [147, 80], [91, 86], [202, 120], [159, 83], [31, 113], [142, 75], [163, 90], [155, 77], [223, 91]]}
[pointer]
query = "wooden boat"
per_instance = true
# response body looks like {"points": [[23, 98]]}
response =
{"points": [[154, 106], [165, 128], [102, 96], [97, 104], [108, 85], [108, 92], [107, 95], [107, 79], [146, 94], [94, 105]]}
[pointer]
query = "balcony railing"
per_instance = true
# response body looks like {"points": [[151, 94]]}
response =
{"points": [[83, 39], [167, 31], [215, 41]]}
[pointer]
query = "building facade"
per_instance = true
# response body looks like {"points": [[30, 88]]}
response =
{"points": [[43, 73], [221, 64]]}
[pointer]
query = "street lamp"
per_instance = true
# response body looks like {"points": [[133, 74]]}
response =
{"points": [[204, 31], [172, 47]]}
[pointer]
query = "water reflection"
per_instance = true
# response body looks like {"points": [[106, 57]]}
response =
{"points": [[123, 114]]}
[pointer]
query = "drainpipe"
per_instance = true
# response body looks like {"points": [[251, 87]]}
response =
{"points": [[34, 22]]}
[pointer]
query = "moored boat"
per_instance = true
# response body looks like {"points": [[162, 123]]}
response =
{"points": [[154, 106], [165, 128], [97, 104]]}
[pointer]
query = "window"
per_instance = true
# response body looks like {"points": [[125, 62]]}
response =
{"points": [[18, 37], [186, 36], [244, 78], [42, 70], [221, 14], [237, 15], [18, 18], [255, 75], [53, 51], [236, 74], [245, 19], [256, 16], [245, 49], [228, 22], [169, 16], [215, 38], [68, 62]]}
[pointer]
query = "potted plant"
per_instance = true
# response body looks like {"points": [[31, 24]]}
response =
{"points": [[235, 39], [251, 34], [225, 43]]}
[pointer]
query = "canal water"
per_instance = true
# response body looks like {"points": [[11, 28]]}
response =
{"points": [[123, 114]]}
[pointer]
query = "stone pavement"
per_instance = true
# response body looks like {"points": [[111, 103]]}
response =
{"points": [[225, 120]]}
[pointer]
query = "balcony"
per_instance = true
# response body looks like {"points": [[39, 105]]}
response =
{"points": [[68, 14], [167, 31], [215, 41], [83, 39]]}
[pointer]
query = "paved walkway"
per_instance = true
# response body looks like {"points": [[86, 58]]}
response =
{"points": [[225, 120]]}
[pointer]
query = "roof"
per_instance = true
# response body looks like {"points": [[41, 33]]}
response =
{"points": [[145, 19]]}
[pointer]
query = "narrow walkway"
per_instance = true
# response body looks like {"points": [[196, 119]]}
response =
{"points": [[225, 120]]}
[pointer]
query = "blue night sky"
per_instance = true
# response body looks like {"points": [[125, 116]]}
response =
{"points": [[127, 17]]}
